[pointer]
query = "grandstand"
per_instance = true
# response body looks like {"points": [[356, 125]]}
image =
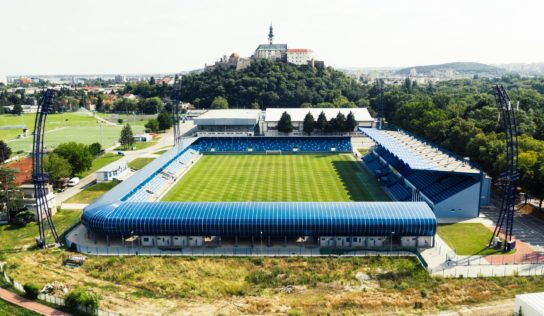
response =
{"points": [[131, 208], [414, 170]]}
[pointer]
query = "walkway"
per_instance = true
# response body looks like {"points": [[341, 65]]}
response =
{"points": [[30, 305]]}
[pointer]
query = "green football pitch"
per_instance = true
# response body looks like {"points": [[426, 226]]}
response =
{"points": [[298, 177]]}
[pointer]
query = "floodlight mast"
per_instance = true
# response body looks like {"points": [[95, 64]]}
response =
{"points": [[39, 176], [175, 109], [381, 114], [510, 177]]}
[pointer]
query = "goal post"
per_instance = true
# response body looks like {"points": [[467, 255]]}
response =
{"points": [[273, 152]]}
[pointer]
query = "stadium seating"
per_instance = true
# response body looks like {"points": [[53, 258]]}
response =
{"points": [[264, 144], [160, 180], [437, 186]]}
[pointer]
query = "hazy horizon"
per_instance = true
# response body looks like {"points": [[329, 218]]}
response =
{"points": [[167, 36]]}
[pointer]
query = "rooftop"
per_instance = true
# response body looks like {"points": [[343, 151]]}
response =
{"points": [[272, 47], [418, 154], [114, 165], [298, 114], [228, 117], [299, 50]]}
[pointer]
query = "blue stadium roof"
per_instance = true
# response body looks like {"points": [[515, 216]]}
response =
{"points": [[276, 219], [418, 154]]}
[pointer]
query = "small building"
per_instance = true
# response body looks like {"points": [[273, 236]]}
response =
{"points": [[531, 304], [116, 170], [272, 116], [29, 198], [299, 56], [232, 122], [143, 138]]}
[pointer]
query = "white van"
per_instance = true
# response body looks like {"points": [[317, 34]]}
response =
{"points": [[73, 182]]}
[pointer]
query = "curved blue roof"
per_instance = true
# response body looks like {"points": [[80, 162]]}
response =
{"points": [[276, 219]]}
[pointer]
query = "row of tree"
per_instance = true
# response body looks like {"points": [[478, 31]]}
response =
{"points": [[338, 124]]}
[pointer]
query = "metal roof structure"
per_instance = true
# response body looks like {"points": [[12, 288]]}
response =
{"points": [[228, 117], [276, 219], [298, 114], [417, 154]]}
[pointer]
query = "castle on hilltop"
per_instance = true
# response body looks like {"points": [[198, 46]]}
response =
{"points": [[270, 51]]}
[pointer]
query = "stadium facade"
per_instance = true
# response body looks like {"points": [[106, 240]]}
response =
{"points": [[131, 208], [426, 183]]}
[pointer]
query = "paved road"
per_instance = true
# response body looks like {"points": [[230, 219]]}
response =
{"points": [[30, 305], [529, 229]]}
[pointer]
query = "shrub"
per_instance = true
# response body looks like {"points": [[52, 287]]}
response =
{"points": [[423, 293], [95, 149], [24, 217], [31, 291], [120, 121], [81, 297]]}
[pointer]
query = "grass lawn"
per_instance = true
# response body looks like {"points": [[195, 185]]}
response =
{"points": [[139, 163], [329, 177], [160, 152], [100, 162], [13, 310], [92, 193], [62, 128], [468, 239], [18, 237], [140, 145]]}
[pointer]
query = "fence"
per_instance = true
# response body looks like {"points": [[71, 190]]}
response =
{"points": [[487, 271], [59, 301]]}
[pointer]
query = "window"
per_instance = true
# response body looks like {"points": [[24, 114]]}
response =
{"points": [[146, 239]]}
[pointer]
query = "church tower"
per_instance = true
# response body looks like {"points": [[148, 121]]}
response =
{"points": [[271, 35]]}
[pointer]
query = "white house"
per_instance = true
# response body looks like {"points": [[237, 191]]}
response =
{"points": [[112, 171], [143, 138], [272, 116], [299, 56], [29, 197]]}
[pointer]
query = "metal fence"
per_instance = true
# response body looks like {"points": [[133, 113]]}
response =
{"points": [[487, 271], [58, 301]]}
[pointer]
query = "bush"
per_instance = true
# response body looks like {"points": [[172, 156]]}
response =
{"points": [[81, 297], [31, 291], [120, 121], [424, 293], [22, 218]]}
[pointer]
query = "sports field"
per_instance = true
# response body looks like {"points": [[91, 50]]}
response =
{"points": [[61, 128], [320, 178]]}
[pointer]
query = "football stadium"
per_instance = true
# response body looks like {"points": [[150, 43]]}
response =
{"points": [[314, 191]]}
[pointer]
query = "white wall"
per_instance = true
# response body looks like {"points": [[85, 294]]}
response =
{"points": [[464, 204]]}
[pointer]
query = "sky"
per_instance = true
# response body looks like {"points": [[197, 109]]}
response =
{"points": [[45, 37]]}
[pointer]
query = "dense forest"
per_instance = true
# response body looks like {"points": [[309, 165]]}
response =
{"points": [[273, 84], [461, 116]]}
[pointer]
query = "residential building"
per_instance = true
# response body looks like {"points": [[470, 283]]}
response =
{"points": [[29, 198], [271, 51]]}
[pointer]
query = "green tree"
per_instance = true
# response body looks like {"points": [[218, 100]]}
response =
{"points": [[284, 124], [57, 167], [408, 84], [151, 105], [9, 193], [152, 125], [165, 120], [321, 124], [220, 103], [5, 151], [17, 109], [127, 137], [309, 124], [339, 123], [95, 149], [351, 123], [78, 155], [81, 297]]}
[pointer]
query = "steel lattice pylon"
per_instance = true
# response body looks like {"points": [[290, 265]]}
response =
{"points": [[381, 111], [510, 177], [175, 110], [39, 177]]}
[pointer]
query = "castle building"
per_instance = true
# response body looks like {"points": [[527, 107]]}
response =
{"points": [[271, 51]]}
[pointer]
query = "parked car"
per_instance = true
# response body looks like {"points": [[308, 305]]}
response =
{"points": [[73, 182], [120, 153]]}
